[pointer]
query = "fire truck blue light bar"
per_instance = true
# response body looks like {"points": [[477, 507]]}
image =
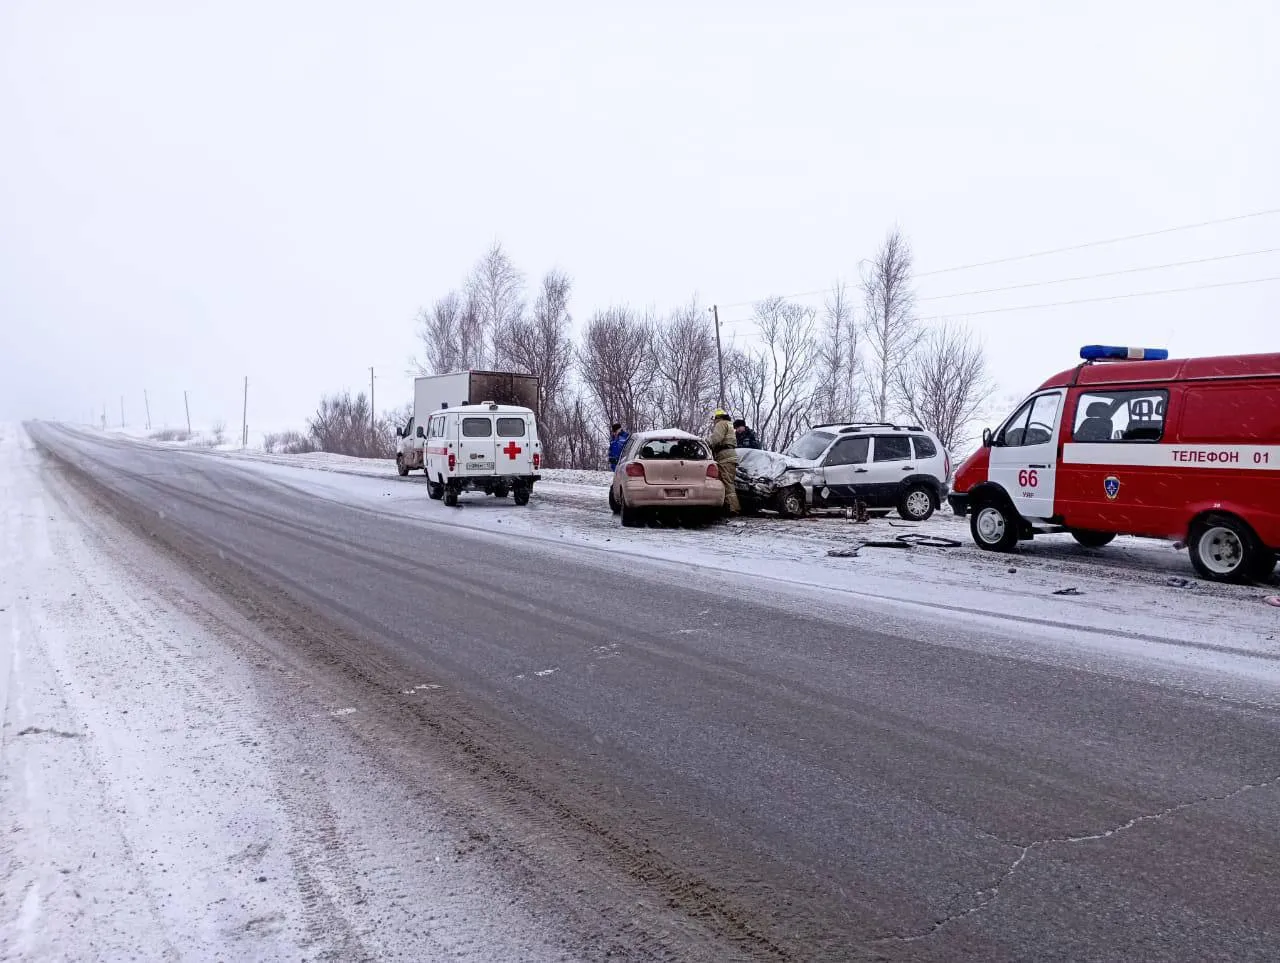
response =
{"points": [[1107, 352]]}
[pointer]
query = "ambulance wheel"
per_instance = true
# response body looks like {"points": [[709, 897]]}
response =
{"points": [[522, 496], [1223, 549], [994, 528], [613, 502], [401, 467], [451, 497], [916, 504], [1092, 539], [435, 491]]}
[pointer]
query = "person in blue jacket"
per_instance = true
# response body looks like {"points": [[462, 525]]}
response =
{"points": [[618, 440]]}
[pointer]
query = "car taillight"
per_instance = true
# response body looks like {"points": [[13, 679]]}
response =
{"points": [[453, 461], [537, 461], [635, 470], [713, 471], [946, 464]]}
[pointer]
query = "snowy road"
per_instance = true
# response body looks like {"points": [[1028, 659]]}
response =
{"points": [[660, 745]]}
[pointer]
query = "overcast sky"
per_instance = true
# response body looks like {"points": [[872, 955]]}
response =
{"points": [[195, 192]]}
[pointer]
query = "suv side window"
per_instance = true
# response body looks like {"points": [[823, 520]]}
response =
{"points": [[848, 451], [892, 448], [925, 448], [1120, 416]]}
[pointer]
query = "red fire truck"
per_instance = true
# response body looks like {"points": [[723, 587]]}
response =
{"points": [[1133, 443]]}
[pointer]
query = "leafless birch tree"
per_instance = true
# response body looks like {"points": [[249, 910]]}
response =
{"points": [[773, 386], [540, 344], [889, 321], [686, 361], [617, 365], [495, 288], [839, 366], [944, 383]]}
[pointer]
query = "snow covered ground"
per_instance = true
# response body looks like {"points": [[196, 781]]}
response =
{"points": [[172, 791], [1137, 600]]}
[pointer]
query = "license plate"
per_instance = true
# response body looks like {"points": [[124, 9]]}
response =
{"points": [[676, 492], [479, 466]]}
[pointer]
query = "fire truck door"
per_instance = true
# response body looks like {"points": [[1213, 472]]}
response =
{"points": [[1024, 454]]}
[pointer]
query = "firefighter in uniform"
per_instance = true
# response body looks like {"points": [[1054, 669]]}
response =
{"points": [[724, 446]]}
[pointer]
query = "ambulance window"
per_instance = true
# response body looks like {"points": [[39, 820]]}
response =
{"points": [[477, 427], [1124, 416], [1034, 422], [510, 427]]}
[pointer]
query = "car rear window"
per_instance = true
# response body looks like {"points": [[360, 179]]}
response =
{"points": [[811, 446], [925, 448], [892, 448], [477, 427], [510, 427], [674, 449]]}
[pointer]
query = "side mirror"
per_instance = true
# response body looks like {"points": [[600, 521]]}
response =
{"points": [[420, 432], [399, 432], [987, 438]]}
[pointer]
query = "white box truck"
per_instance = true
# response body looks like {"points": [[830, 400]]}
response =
{"points": [[432, 393]]}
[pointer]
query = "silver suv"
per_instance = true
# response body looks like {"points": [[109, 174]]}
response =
{"points": [[882, 465]]}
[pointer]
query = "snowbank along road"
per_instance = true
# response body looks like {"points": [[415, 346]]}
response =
{"points": [[324, 716]]}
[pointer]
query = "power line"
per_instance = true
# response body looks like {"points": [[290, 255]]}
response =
{"points": [[1046, 253], [1058, 304], [1105, 274]]}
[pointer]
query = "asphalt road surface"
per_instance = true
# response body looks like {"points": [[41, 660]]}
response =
{"points": [[683, 764]]}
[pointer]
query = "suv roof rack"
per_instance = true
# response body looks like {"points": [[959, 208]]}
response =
{"points": [[847, 426]]}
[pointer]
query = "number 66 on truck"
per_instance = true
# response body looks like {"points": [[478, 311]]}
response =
{"points": [[1131, 442]]}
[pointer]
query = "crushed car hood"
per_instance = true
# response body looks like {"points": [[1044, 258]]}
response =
{"points": [[764, 472]]}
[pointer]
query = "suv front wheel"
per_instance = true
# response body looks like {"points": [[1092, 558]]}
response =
{"points": [[994, 528], [916, 504]]}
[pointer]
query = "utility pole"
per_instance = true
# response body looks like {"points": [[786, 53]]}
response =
{"points": [[187, 405], [373, 419], [146, 404], [715, 311], [244, 424], [122, 411], [104, 416]]}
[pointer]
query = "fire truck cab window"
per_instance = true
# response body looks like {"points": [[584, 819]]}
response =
{"points": [[1120, 416], [1033, 423]]}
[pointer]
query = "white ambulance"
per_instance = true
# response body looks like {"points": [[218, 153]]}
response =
{"points": [[488, 448]]}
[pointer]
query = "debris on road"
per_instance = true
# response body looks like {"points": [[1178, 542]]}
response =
{"points": [[1068, 591], [1273, 600]]}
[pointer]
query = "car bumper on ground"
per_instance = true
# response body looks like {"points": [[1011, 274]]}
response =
{"points": [[959, 502]]}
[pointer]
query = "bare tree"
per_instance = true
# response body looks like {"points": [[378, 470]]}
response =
{"points": [[774, 386], [341, 424], [617, 365], [944, 383], [890, 324], [686, 368], [583, 435], [839, 390], [452, 336], [495, 287], [540, 344]]}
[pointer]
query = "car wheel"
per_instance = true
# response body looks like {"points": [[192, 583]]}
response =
{"points": [[1092, 539], [916, 504], [435, 491], [791, 502], [401, 467], [613, 502], [994, 528], [521, 496], [1223, 549], [632, 517], [451, 497]]}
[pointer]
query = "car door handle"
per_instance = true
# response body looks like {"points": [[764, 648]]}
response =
{"points": [[1037, 466], [859, 471], [910, 468]]}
